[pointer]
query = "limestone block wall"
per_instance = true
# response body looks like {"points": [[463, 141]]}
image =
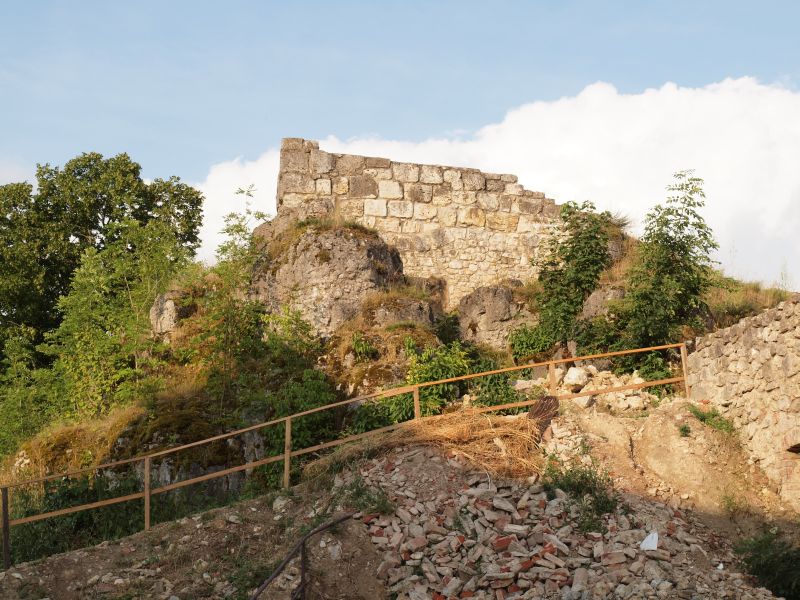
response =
{"points": [[464, 226], [751, 373]]}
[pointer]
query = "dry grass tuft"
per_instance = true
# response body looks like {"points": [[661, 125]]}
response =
{"points": [[506, 446], [68, 447]]}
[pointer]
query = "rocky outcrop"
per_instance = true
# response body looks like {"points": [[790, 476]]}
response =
{"points": [[596, 304], [751, 374], [325, 274], [168, 310], [490, 313]]}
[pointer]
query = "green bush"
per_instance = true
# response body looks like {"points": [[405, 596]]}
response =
{"points": [[431, 364], [773, 562], [529, 342]]}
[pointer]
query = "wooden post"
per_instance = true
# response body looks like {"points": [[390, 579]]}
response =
{"points": [[417, 410], [684, 364], [551, 377], [6, 531], [287, 452], [146, 493]]}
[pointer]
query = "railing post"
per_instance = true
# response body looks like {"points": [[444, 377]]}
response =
{"points": [[6, 531], [287, 452], [417, 410], [684, 364], [551, 378], [146, 493]]}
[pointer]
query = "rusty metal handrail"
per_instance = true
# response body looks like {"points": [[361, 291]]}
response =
{"points": [[288, 453], [300, 592]]}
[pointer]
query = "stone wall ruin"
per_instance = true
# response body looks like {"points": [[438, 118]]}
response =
{"points": [[464, 226], [750, 373]]}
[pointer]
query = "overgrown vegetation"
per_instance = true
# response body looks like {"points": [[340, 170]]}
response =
{"points": [[773, 562]]}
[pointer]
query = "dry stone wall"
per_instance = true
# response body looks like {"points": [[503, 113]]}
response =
{"points": [[464, 226], [751, 373]]}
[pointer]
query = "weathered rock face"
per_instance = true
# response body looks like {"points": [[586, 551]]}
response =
{"points": [[326, 274], [490, 313], [750, 372], [597, 303], [168, 310], [468, 227]]}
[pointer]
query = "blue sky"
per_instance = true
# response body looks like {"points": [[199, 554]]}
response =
{"points": [[582, 100], [183, 85]]}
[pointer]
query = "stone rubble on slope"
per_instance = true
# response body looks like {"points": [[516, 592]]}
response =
{"points": [[460, 534]]}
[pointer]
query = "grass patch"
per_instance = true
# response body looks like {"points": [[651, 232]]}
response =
{"points": [[731, 300], [712, 419], [734, 505], [591, 489], [684, 430], [773, 562]]}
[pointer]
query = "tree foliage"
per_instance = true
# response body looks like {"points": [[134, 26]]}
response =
{"points": [[44, 233], [672, 270]]}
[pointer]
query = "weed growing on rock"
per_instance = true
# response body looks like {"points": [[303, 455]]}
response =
{"points": [[363, 348], [684, 430], [713, 419], [367, 499], [591, 488]]}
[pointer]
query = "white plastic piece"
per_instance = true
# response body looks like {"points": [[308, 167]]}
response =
{"points": [[650, 542]]}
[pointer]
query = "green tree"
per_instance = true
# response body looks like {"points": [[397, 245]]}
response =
{"points": [[44, 233], [672, 270], [103, 341], [571, 268]]}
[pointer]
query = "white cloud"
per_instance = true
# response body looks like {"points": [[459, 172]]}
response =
{"points": [[620, 150]]}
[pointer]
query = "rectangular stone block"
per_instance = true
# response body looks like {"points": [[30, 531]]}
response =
{"points": [[473, 180], [390, 189], [340, 186], [390, 225], [424, 212], [442, 194], [401, 208], [464, 198], [508, 178], [528, 207], [447, 216], [348, 164], [418, 192], [501, 221], [294, 160], [430, 174], [320, 162], [350, 210], [382, 163], [471, 217], [409, 226], [453, 177], [488, 200], [514, 189], [379, 174], [292, 144], [495, 185], [297, 183], [375, 208], [406, 172], [528, 223], [363, 186], [323, 187]]}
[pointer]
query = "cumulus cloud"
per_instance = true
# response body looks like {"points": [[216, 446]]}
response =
{"points": [[619, 150]]}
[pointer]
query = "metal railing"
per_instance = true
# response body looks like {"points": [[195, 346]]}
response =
{"points": [[288, 453], [300, 591]]}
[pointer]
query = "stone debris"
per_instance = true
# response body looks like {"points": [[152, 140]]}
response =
{"points": [[458, 534]]}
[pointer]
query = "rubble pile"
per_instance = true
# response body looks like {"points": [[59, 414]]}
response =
{"points": [[460, 534]]}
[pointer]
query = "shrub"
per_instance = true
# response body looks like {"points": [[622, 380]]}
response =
{"points": [[685, 430], [773, 562], [528, 342], [431, 364]]}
